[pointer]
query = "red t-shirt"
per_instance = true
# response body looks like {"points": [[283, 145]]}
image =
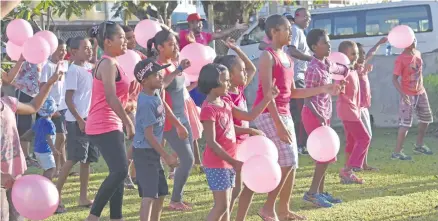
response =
{"points": [[225, 135], [410, 68], [202, 38], [239, 101]]}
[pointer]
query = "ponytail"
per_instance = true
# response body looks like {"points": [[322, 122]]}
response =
{"points": [[150, 51]]}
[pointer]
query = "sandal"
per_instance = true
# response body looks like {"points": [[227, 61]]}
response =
{"points": [[292, 216], [266, 218], [61, 209], [179, 207]]}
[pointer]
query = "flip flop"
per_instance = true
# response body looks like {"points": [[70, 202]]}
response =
{"points": [[180, 207], [292, 217], [266, 218]]}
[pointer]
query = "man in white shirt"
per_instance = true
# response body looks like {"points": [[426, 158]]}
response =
{"points": [[300, 52], [79, 82], [57, 93]]}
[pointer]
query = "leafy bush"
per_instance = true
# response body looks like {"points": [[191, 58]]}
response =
{"points": [[431, 84]]}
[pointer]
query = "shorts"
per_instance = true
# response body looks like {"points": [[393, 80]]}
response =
{"points": [[59, 122], [46, 160], [287, 153], [311, 122], [79, 147], [366, 120], [419, 104], [151, 180], [24, 122], [220, 179]]}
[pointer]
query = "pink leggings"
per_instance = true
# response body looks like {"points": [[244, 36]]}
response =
{"points": [[357, 142]]}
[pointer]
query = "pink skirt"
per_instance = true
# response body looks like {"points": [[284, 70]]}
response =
{"points": [[193, 115]]}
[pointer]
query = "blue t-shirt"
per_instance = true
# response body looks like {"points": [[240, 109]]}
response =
{"points": [[42, 128], [197, 96], [150, 112]]}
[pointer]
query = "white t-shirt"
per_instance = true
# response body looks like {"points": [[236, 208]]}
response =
{"points": [[80, 80], [57, 92], [300, 43]]}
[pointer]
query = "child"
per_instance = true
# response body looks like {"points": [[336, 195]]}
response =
{"points": [[276, 121], [79, 82], [363, 68], [217, 114], [409, 66], [317, 110], [58, 94], [150, 117], [242, 71], [174, 95], [44, 144], [348, 109], [13, 162]]}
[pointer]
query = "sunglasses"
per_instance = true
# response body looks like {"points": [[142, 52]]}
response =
{"points": [[104, 27]]}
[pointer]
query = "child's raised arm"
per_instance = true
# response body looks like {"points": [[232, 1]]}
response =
{"points": [[373, 50], [210, 139], [10, 76], [39, 99], [249, 66]]}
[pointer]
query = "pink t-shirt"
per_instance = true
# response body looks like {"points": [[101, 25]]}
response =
{"points": [[202, 38], [283, 76], [365, 89], [12, 158], [348, 103], [239, 101], [225, 134], [101, 118]]}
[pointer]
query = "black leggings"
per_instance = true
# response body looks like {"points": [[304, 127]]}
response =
{"points": [[112, 148]]}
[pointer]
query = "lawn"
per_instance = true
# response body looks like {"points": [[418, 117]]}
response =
{"points": [[400, 191]]}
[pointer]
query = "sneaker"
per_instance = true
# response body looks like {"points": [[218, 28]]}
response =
{"points": [[30, 162], [302, 150], [317, 199], [129, 184], [422, 149], [348, 177], [400, 156], [330, 198]]}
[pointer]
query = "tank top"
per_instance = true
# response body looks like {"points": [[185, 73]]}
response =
{"points": [[174, 97], [283, 79], [101, 118]]}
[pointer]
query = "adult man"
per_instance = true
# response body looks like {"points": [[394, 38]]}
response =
{"points": [[301, 54]]}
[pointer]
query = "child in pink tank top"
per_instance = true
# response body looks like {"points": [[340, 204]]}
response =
{"points": [[276, 121]]}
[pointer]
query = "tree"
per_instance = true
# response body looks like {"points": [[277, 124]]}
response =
{"points": [[127, 9], [228, 12]]}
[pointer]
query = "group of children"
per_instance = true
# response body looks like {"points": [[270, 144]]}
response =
{"points": [[154, 106]]}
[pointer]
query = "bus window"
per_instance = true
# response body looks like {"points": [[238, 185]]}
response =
{"points": [[325, 24], [345, 25], [381, 21]]}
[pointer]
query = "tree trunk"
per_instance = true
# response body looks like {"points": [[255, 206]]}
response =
{"points": [[42, 23], [49, 14]]}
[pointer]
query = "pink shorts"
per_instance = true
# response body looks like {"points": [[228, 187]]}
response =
{"points": [[311, 122]]}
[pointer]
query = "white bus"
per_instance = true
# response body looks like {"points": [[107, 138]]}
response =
{"points": [[365, 24]]}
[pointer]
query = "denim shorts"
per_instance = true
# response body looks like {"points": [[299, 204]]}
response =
{"points": [[220, 179]]}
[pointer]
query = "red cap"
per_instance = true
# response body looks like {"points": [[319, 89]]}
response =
{"points": [[194, 17]]}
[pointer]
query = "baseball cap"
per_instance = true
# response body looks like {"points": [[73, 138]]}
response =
{"points": [[194, 17], [288, 15], [147, 67], [48, 108]]}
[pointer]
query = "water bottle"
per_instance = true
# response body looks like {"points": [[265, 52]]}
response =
{"points": [[388, 49]]}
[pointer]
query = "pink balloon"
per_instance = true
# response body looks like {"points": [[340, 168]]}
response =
{"points": [[146, 30], [261, 174], [401, 36], [339, 58], [198, 55], [191, 78], [35, 197], [211, 52], [36, 50], [255, 146], [323, 144], [18, 31], [13, 51], [50, 38], [128, 61]]}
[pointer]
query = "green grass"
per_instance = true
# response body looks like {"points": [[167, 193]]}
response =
{"points": [[400, 191]]}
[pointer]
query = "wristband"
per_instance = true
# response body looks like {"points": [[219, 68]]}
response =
{"points": [[180, 68]]}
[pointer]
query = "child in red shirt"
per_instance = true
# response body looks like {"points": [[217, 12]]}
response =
{"points": [[348, 109], [217, 115], [409, 66]]}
